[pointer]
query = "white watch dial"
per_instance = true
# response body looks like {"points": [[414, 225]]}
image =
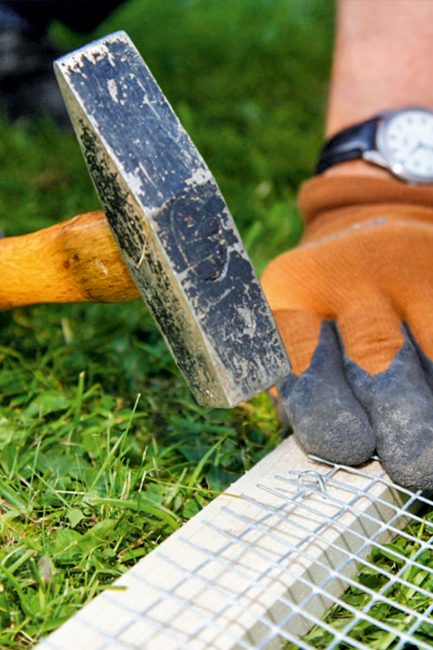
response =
{"points": [[407, 144]]}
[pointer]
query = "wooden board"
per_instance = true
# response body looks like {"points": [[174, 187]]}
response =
{"points": [[245, 571]]}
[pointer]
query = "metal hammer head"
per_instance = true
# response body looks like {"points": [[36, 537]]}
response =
{"points": [[172, 225]]}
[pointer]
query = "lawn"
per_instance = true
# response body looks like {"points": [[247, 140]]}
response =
{"points": [[103, 452]]}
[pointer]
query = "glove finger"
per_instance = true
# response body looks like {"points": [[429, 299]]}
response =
{"points": [[371, 333], [300, 331], [326, 417], [419, 319], [399, 403]]}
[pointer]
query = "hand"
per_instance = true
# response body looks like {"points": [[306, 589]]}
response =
{"points": [[354, 305]]}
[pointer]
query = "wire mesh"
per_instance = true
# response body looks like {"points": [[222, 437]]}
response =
{"points": [[322, 557]]}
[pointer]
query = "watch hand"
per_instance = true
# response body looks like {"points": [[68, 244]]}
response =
{"points": [[422, 145], [419, 145]]}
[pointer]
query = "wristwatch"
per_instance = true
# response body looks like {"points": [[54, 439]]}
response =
{"points": [[400, 141]]}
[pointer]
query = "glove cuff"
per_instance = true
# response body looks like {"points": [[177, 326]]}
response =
{"points": [[329, 204]]}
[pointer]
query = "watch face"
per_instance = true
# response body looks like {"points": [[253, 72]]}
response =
{"points": [[405, 139]]}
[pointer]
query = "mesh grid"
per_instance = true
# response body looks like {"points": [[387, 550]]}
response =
{"points": [[323, 556]]}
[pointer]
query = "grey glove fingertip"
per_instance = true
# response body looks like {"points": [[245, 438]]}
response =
{"points": [[399, 402], [326, 417]]}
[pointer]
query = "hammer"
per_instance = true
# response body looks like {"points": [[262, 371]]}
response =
{"points": [[167, 236]]}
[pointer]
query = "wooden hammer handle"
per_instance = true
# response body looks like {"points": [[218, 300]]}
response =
{"points": [[73, 261]]}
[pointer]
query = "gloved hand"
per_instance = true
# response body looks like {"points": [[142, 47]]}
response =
{"points": [[354, 305]]}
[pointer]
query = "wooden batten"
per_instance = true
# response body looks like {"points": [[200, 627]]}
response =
{"points": [[244, 569]]}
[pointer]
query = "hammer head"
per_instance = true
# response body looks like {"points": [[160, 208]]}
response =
{"points": [[172, 225]]}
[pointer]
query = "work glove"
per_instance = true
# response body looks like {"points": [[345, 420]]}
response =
{"points": [[354, 305]]}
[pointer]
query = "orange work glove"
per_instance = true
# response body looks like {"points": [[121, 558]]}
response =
{"points": [[354, 305]]}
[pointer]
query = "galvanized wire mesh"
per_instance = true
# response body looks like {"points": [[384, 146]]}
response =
{"points": [[325, 557]]}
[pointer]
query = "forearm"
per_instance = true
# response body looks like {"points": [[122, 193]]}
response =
{"points": [[382, 60]]}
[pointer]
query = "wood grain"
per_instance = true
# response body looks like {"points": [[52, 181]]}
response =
{"points": [[73, 261]]}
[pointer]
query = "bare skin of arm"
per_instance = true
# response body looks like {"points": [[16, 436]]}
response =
{"points": [[382, 60]]}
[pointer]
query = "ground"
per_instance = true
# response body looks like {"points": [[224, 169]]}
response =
{"points": [[103, 452]]}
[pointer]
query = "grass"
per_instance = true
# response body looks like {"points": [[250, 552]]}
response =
{"points": [[103, 452], [390, 559]]}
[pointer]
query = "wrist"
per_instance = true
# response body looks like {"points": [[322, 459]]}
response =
{"points": [[357, 168], [336, 202], [398, 141]]}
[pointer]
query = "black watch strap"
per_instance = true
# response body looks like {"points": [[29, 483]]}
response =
{"points": [[349, 144]]}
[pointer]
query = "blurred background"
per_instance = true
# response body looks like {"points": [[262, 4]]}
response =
{"points": [[78, 453], [248, 79]]}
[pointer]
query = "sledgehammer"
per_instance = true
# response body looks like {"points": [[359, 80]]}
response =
{"points": [[167, 235]]}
